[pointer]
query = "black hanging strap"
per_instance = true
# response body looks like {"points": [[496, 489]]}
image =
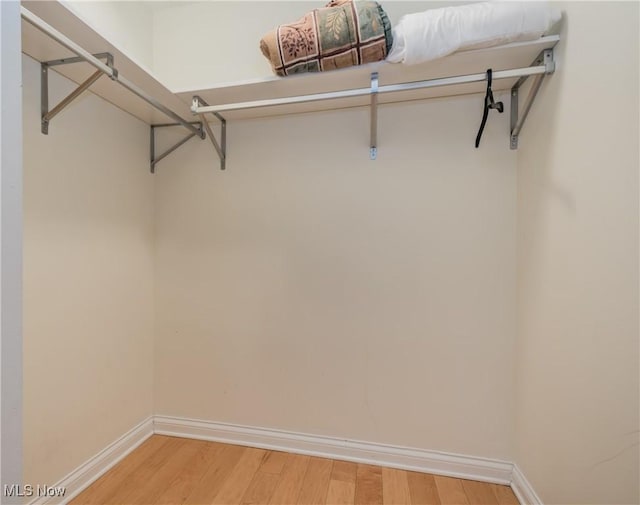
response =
{"points": [[489, 103]]}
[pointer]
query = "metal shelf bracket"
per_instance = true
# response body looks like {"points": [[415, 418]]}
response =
{"points": [[155, 159], [221, 148], [543, 65], [517, 121], [373, 149], [46, 114]]}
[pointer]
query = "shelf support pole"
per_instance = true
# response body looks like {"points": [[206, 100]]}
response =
{"points": [[46, 114], [153, 159], [517, 121], [221, 148], [373, 149]]}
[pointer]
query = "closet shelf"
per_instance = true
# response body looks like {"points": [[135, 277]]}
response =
{"points": [[42, 47], [60, 40], [234, 100], [465, 72], [57, 37]]}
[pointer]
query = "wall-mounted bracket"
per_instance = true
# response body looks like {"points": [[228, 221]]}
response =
{"points": [[517, 121], [373, 150], [153, 159], [543, 65], [220, 148], [46, 114]]}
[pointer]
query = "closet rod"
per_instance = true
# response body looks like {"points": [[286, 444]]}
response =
{"points": [[49, 30], [431, 83]]}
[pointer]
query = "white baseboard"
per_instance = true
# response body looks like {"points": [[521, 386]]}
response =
{"points": [[440, 463], [523, 489], [95, 467], [435, 462]]}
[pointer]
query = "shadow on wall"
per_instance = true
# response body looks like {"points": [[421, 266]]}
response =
{"points": [[543, 189]]}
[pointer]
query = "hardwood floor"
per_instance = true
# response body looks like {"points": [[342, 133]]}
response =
{"points": [[173, 471]]}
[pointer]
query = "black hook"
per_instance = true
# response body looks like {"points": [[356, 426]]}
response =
{"points": [[489, 103]]}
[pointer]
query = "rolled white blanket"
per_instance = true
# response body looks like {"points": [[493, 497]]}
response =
{"points": [[434, 33]]}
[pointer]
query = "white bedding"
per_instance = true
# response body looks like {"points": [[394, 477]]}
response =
{"points": [[434, 33]]}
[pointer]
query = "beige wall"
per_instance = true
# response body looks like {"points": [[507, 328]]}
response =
{"points": [[212, 48], [127, 24], [200, 44], [577, 354], [88, 279], [308, 288]]}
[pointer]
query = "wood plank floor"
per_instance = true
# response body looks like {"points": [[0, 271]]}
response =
{"points": [[173, 471]]}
